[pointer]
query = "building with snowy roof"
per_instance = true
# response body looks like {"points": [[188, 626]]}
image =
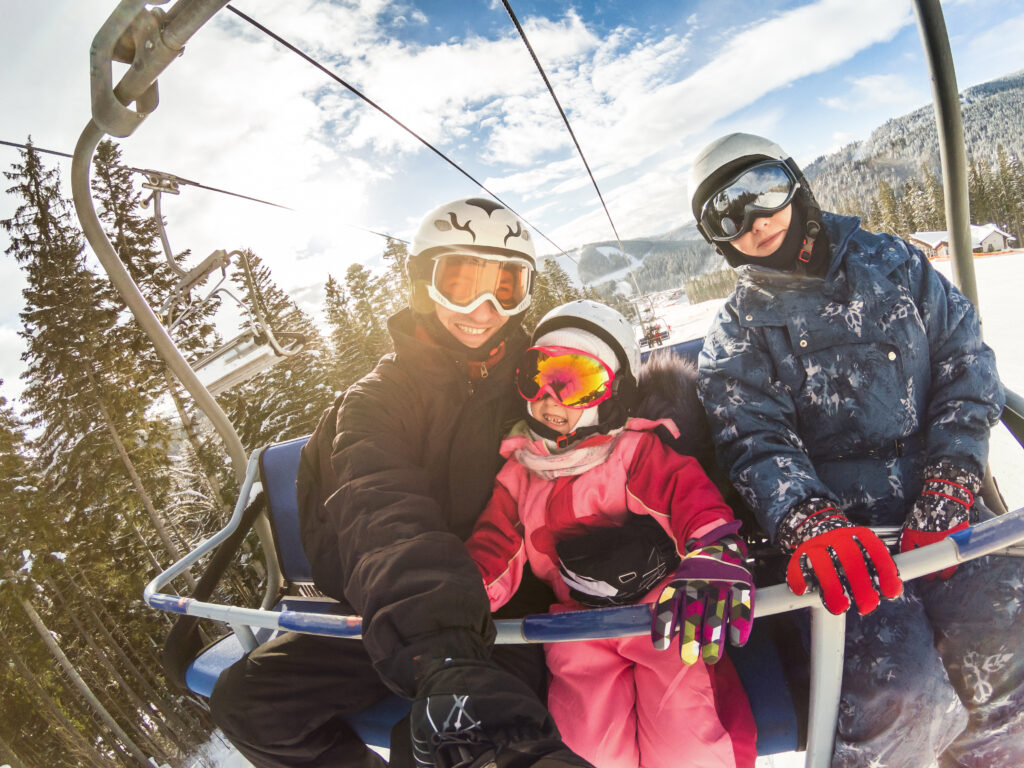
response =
{"points": [[985, 238]]}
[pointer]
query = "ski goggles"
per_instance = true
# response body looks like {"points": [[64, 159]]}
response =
{"points": [[572, 377], [761, 189], [462, 282]]}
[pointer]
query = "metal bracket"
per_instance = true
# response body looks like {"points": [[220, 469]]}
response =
{"points": [[161, 182], [131, 33]]}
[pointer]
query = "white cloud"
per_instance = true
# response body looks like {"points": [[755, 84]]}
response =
{"points": [[1005, 41], [874, 90]]}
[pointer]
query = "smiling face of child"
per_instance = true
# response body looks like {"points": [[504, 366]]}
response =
{"points": [[555, 415]]}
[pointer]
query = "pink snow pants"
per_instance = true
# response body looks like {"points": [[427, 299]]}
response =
{"points": [[620, 703]]}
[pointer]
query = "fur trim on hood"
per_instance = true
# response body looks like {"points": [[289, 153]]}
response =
{"points": [[668, 390]]}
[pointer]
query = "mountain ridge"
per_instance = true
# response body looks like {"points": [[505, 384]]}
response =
{"points": [[846, 179]]}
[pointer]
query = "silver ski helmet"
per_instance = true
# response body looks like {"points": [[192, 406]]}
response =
{"points": [[722, 162], [471, 227]]}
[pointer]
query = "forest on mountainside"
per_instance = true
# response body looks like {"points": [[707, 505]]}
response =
{"points": [[892, 181], [108, 473]]}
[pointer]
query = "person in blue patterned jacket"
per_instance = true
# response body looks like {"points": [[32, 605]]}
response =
{"points": [[847, 386]]}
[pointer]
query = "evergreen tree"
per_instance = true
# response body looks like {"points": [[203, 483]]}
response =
{"points": [[888, 218], [352, 358], [65, 319], [933, 217], [979, 189], [367, 294], [396, 279], [1007, 187], [286, 400], [552, 287], [100, 457], [135, 240], [908, 206]]}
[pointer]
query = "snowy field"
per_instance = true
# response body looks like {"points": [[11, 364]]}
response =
{"points": [[1000, 279]]}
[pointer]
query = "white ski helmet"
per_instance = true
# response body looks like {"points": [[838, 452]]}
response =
{"points": [[609, 331], [475, 225], [605, 323]]}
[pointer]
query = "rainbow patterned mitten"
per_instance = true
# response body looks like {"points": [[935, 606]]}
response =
{"points": [[710, 596]]}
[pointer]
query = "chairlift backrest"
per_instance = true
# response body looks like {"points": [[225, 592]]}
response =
{"points": [[279, 469]]}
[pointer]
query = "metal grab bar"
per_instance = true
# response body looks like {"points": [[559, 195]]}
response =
{"points": [[991, 536]]}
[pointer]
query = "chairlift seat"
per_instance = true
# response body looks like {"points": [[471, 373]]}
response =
{"points": [[760, 663]]}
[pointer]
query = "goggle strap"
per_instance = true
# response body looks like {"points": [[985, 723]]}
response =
{"points": [[557, 323]]}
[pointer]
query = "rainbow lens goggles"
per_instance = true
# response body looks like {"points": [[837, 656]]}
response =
{"points": [[462, 282], [761, 189], [572, 377]]}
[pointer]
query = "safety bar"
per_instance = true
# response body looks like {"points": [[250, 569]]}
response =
{"points": [[991, 536]]}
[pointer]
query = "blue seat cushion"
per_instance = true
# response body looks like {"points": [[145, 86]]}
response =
{"points": [[279, 468]]}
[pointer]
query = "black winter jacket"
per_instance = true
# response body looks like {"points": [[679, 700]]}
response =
{"points": [[391, 484]]}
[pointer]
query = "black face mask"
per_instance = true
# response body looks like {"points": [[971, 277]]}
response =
{"points": [[785, 258]]}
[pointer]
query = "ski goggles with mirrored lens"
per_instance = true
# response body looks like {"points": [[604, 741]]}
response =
{"points": [[761, 189], [462, 282], [572, 377]]}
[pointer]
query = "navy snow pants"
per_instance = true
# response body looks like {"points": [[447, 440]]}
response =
{"points": [[936, 677]]}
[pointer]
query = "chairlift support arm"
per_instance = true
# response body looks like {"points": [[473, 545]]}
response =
{"points": [[149, 40], [952, 153]]}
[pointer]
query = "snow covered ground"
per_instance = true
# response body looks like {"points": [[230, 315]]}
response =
{"points": [[1000, 280]]}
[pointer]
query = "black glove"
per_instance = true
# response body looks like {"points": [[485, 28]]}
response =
{"points": [[617, 565], [447, 734], [472, 714]]}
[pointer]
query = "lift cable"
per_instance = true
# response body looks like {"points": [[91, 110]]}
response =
{"points": [[565, 119], [146, 172], [294, 49], [178, 180]]}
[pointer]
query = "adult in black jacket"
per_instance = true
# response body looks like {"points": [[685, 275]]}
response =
{"points": [[390, 485]]}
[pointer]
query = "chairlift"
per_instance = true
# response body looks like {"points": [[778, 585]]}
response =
{"points": [[153, 41], [236, 361], [248, 354]]}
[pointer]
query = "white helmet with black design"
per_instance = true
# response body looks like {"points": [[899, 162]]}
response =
{"points": [[473, 226]]}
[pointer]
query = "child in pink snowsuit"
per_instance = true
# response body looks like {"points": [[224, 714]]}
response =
{"points": [[578, 471]]}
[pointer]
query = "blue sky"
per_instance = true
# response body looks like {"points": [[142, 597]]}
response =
{"points": [[645, 85]]}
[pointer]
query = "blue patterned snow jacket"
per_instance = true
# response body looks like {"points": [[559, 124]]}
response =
{"points": [[844, 387]]}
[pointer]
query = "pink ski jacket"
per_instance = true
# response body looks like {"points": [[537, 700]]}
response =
{"points": [[528, 512]]}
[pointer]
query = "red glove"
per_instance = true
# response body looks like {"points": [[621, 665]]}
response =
{"points": [[943, 507], [844, 560]]}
